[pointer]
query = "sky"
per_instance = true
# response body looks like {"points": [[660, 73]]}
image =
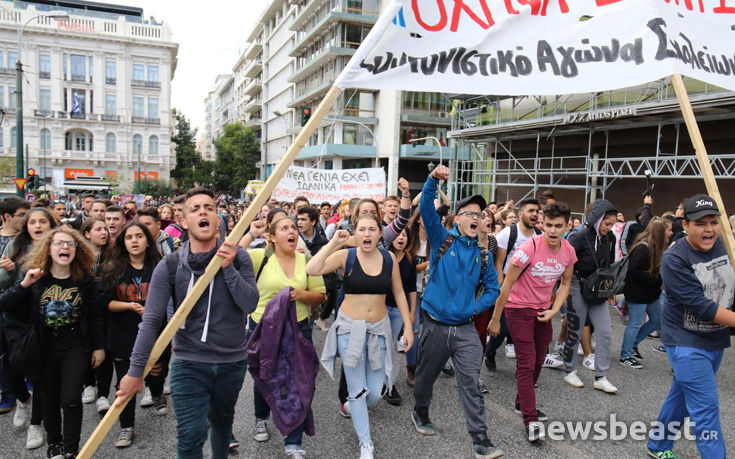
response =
{"points": [[211, 35]]}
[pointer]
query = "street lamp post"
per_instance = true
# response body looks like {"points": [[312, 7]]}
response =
{"points": [[19, 169]]}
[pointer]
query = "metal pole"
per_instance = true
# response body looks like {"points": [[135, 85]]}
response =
{"points": [[139, 149], [19, 119], [44, 155]]}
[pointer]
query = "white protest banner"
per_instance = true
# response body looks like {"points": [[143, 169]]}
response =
{"points": [[319, 185], [540, 47]]}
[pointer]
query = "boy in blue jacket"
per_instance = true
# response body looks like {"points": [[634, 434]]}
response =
{"points": [[450, 306]]}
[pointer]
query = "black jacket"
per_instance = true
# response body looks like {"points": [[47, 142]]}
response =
{"points": [[23, 304], [640, 286], [583, 242]]}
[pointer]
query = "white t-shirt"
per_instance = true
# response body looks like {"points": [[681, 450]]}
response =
{"points": [[421, 252], [503, 238]]}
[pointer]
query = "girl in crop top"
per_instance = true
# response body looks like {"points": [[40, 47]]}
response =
{"points": [[363, 311]]}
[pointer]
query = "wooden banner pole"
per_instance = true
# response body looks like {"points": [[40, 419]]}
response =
{"points": [[202, 283], [704, 162]]}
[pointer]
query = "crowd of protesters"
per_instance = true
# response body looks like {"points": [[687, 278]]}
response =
{"points": [[86, 288]]}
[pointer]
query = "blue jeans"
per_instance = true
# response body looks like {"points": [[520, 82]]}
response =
{"points": [[262, 410], [205, 393], [364, 385], [413, 353], [396, 322], [693, 393], [637, 330]]}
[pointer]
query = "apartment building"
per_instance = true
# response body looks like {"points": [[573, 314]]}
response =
{"points": [[96, 94]]}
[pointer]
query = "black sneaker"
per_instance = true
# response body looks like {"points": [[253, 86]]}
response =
{"points": [[160, 405], [637, 354], [420, 418], [535, 431], [448, 369], [490, 361], [660, 348], [71, 455], [55, 450], [539, 414], [631, 362], [483, 448], [393, 397]]}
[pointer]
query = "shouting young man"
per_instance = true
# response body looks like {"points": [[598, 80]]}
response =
{"points": [[526, 296]]}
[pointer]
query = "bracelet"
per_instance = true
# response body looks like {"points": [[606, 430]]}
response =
{"points": [[406, 196]]}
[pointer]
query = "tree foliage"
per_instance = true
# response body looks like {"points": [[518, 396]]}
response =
{"points": [[156, 188], [237, 153], [191, 169]]}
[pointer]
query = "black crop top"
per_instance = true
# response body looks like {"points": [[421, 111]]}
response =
{"points": [[359, 283]]}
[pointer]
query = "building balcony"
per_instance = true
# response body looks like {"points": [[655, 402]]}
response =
{"points": [[312, 93], [109, 80], [301, 20], [338, 149], [43, 113], [44, 75], [7, 71], [146, 84], [320, 59], [253, 68], [74, 154], [145, 120], [110, 118], [62, 115], [337, 15], [254, 123], [253, 48], [79, 78], [253, 105], [432, 117], [431, 151], [253, 86]]}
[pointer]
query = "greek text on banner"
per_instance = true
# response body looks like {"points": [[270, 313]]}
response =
{"points": [[543, 47], [319, 185]]}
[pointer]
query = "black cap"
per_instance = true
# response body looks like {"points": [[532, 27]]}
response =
{"points": [[698, 206], [476, 199]]}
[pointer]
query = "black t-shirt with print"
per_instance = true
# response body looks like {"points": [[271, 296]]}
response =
{"points": [[61, 303], [122, 327]]}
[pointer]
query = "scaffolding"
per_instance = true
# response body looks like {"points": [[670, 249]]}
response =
{"points": [[489, 126]]}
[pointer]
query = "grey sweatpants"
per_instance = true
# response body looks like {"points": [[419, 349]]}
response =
{"points": [[577, 312], [438, 343]]}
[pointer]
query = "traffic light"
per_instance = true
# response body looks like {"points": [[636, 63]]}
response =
{"points": [[32, 179], [305, 115]]}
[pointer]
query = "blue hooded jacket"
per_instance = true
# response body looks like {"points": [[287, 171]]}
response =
{"points": [[449, 296]]}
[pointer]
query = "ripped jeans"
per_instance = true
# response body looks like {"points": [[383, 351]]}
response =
{"points": [[364, 386]]}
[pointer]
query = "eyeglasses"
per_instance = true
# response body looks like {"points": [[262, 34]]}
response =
{"points": [[472, 214], [69, 244], [58, 201]]}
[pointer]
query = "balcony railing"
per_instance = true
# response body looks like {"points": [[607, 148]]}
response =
{"points": [[44, 75], [62, 114], [112, 118], [146, 83], [110, 80], [43, 113], [7, 71], [145, 120], [81, 78], [78, 116]]}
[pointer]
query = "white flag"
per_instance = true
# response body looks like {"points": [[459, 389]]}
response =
{"points": [[521, 47]]}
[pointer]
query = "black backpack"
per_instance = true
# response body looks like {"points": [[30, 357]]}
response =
{"points": [[512, 240]]}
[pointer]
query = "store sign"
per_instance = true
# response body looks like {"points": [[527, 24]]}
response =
{"points": [[74, 173], [609, 114], [146, 175]]}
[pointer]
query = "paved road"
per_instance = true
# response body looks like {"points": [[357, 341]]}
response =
{"points": [[639, 399]]}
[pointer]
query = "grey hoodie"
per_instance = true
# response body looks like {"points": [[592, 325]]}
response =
{"points": [[214, 331]]}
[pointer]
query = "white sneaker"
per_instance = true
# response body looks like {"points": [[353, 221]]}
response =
{"points": [[22, 413], [261, 430], [89, 395], [34, 437], [573, 380], [604, 385], [367, 451], [510, 351], [102, 405], [553, 361], [147, 399], [322, 324], [589, 362], [535, 431], [580, 351], [167, 387], [558, 347]]}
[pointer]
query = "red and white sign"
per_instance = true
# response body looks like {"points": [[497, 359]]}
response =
{"points": [[541, 47], [146, 175], [74, 173]]}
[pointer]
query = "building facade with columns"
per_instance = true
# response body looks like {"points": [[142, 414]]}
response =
{"points": [[96, 94]]}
